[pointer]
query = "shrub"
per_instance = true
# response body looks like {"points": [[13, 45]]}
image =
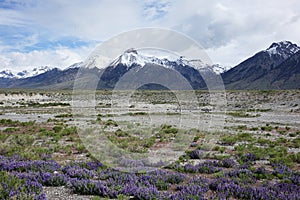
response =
{"points": [[266, 128], [57, 129]]}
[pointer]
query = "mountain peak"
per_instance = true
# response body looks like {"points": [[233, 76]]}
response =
{"points": [[6, 74], [25, 73], [283, 48], [132, 57], [131, 50]]}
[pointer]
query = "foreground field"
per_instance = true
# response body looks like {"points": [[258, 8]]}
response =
{"points": [[248, 149]]}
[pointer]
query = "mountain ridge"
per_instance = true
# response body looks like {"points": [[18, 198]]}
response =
{"points": [[276, 67], [260, 70], [8, 73]]}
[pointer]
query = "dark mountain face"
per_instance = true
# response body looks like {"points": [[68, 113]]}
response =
{"points": [[112, 75], [249, 70], [287, 74], [261, 71], [5, 82]]}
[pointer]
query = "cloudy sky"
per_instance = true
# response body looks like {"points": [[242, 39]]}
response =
{"points": [[62, 32]]}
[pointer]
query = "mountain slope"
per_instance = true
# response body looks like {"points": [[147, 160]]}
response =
{"points": [[25, 73], [287, 74], [133, 60], [47, 79], [277, 67], [109, 76], [261, 70]]}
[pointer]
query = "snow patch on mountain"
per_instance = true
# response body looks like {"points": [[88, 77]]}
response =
{"points": [[25, 73], [96, 61], [284, 48], [6, 74], [75, 65], [132, 57]]}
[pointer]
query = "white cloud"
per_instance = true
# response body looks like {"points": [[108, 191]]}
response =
{"points": [[230, 30], [61, 58], [92, 20]]}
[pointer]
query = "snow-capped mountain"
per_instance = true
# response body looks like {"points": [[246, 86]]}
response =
{"points": [[284, 48], [6, 74], [261, 71], [277, 67], [75, 65], [33, 72], [144, 62], [25, 73], [132, 57]]}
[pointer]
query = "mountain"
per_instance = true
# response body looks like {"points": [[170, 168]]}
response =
{"points": [[7, 74], [277, 67], [191, 70], [25, 73], [261, 70], [55, 78], [286, 75], [51, 79]]}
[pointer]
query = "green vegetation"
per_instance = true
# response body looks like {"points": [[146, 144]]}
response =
{"points": [[247, 147], [137, 113], [241, 114], [37, 104], [68, 115], [32, 140], [232, 139]]}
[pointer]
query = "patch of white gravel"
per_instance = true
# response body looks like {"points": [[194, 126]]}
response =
{"points": [[62, 193]]}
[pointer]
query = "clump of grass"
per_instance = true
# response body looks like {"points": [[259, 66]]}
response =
{"points": [[232, 139], [167, 132], [51, 104], [266, 128], [242, 114], [67, 115], [11, 130], [111, 122], [259, 110], [221, 149], [137, 113]]}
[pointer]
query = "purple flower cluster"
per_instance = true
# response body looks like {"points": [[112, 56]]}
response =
{"points": [[90, 187], [14, 164], [226, 188], [196, 154], [12, 187], [284, 172], [204, 168], [207, 167], [248, 158], [78, 172], [195, 189], [23, 179], [241, 175]]}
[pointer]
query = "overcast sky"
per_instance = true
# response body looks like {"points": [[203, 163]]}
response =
{"points": [[62, 32]]}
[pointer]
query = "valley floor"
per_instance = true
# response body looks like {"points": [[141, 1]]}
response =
{"points": [[149, 144]]}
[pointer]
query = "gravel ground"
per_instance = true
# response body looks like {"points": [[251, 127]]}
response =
{"points": [[62, 193]]}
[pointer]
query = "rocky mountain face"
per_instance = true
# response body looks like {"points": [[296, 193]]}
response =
{"points": [[109, 76], [131, 60], [261, 70], [277, 67]]}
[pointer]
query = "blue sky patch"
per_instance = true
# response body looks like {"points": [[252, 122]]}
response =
{"points": [[26, 39]]}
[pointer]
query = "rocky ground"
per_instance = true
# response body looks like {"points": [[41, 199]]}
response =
{"points": [[46, 119]]}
